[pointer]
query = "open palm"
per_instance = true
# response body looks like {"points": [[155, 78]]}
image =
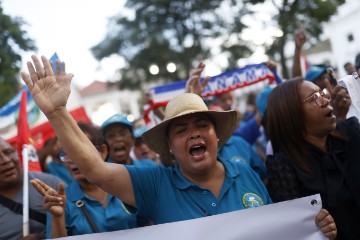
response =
{"points": [[49, 92]]}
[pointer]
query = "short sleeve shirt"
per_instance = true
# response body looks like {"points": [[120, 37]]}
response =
{"points": [[238, 150], [112, 218], [164, 195]]}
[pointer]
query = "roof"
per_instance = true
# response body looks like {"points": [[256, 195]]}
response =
{"points": [[321, 46]]}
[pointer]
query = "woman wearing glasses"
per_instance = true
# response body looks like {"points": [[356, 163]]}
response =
{"points": [[311, 156], [83, 208]]}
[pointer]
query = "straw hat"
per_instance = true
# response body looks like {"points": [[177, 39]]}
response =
{"points": [[187, 104]]}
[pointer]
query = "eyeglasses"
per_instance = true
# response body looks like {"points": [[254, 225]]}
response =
{"points": [[64, 157], [319, 97]]}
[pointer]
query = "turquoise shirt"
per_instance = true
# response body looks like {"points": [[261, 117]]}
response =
{"points": [[140, 163], [112, 218], [60, 171], [236, 149], [164, 195]]}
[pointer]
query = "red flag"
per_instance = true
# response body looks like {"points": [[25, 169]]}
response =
{"points": [[23, 136], [304, 63]]}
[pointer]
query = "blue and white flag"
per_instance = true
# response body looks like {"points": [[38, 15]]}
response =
{"points": [[225, 82]]}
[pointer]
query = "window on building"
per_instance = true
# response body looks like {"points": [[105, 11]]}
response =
{"points": [[350, 37]]}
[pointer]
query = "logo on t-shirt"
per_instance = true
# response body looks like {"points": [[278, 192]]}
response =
{"points": [[251, 200], [238, 159]]}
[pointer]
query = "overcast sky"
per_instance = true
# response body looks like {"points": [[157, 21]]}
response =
{"points": [[70, 28]]}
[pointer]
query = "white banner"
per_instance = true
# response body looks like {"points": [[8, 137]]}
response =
{"points": [[293, 219]]}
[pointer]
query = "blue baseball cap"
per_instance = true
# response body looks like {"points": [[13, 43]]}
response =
{"points": [[262, 98], [138, 132], [116, 119], [314, 72]]}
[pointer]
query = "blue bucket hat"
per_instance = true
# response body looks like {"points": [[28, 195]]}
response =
{"points": [[262, 98], [116, 119], [138, 132], [314, 72]]}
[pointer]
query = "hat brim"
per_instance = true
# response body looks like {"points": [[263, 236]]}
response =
{"points": [[224, 123]]}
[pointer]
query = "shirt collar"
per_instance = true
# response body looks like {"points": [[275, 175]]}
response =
{"points": [[182, 183], [74, 192]]}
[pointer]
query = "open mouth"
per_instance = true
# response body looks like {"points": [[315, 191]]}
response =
{"points": [[119, 148], [197, 150], [330, 114], [7, 170]]}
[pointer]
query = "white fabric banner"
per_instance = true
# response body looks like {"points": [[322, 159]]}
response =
{"points": [[293, 219]]}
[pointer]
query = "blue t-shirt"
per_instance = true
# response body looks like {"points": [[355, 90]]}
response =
{"points": [[139, 163], [238, 150], [112, 218], [60, 171], [249, 131], [164, 195], [144, 163]]}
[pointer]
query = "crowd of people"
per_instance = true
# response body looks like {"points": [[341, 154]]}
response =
{"points": [[296, 139]]}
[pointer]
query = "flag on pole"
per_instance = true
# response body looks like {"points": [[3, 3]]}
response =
{"points": [[23, 136]]}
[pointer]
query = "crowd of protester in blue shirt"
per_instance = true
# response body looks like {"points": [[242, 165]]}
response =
{"points": [[115, 176]]}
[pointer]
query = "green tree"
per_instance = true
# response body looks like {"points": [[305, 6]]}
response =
{"points": [[290, 14], [12, 40], [177, 31]]}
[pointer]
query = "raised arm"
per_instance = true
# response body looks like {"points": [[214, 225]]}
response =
{"points": [[193, 84], [50, 95], [300, 39]]}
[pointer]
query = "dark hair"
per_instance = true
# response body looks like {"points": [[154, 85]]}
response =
{"points": [[346, 64], [93, 133], [285, 122], [357, 61]]}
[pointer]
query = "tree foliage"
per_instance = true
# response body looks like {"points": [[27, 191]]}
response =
{"points": [[12, 40], [184, 32], [290, 14], [177, 31]]}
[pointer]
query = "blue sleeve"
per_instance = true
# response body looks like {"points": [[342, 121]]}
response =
{"points": [[257, 164], [145, 181], [250, 131]]}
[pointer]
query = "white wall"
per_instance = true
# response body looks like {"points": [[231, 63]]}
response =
{"points": [[100, 107], [345, 23]]}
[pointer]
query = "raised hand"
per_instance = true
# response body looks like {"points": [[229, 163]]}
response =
{"points": [[300, 38], [193, 84], [49, 92], [54, 201]]}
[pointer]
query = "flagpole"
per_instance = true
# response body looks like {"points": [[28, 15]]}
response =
{"points": [[25, 157]]}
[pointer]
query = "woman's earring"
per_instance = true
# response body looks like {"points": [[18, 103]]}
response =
{"points": [[218, 139], [170, 151]]}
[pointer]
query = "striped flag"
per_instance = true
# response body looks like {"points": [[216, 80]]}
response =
{"points": [[225, 82]]}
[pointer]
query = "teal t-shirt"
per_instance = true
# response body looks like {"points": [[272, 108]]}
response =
{"points": [[164, 195]]}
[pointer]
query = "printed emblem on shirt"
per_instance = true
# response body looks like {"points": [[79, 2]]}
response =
{"points": [[238, 159], [251, 200]]}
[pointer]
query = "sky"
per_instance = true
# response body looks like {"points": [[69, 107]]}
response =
{"points": [[69, 28]]}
